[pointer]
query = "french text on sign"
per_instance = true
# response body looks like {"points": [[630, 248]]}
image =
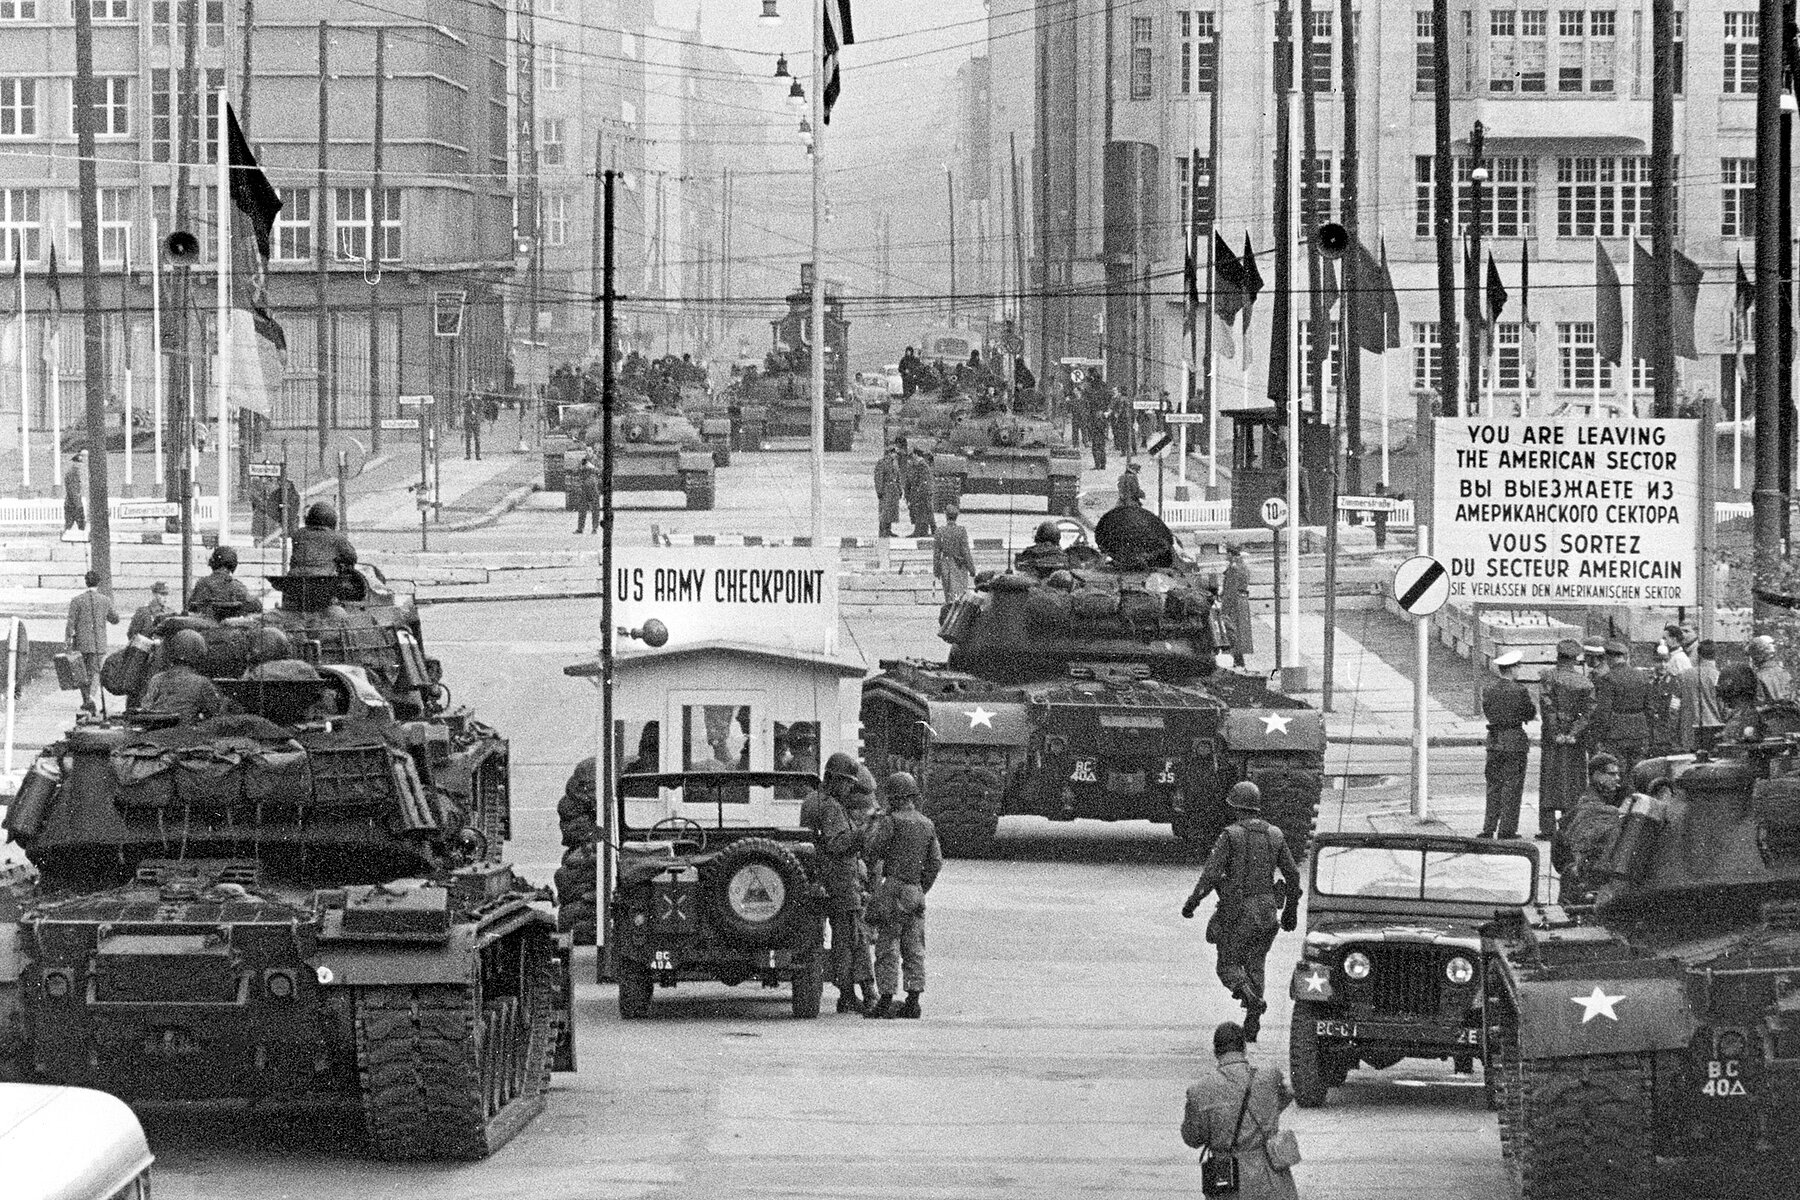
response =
{"points": [[1421, 585]]}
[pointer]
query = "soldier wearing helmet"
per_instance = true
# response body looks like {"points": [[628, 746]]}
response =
{"points": [[839, 843], [319, 549], [220, 594], [1241, 868], [905, 859], [272, 657], [1045, 554], [180, 688]]}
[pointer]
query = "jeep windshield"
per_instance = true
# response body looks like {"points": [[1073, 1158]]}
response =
{"points": [[1414, 873], [717, 800]]}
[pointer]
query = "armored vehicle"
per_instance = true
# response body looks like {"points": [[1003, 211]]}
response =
{"points": [[923, 418], [1664, 1022], [702, 895], [299, 901], [653, 451], [779, 405], [1402, 930], [1008, 454], [711, 414], [1087, 687]]}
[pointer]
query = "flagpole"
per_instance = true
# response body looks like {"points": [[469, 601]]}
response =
{"points": [[1381, 236], [24, 389], [125, 318], [156, 354], [1737, 411], [55, 385], [222, 322], [1628, 351]]}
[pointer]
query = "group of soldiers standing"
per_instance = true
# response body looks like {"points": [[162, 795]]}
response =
{"points": [[903, 475]]}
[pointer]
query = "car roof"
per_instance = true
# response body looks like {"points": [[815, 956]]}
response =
{"points": [[66, 1143]]}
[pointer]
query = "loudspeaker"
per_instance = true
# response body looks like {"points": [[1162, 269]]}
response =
{"points": [[1332, 239], [182, 247]]}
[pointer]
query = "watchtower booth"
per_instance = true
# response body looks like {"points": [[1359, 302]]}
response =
{"points": [[1259, 465]]}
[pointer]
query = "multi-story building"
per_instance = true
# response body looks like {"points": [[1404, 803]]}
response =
{"points": [[1563, 95]]}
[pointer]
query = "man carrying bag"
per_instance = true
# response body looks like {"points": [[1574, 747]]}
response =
{"points": [[1233, 1116]]}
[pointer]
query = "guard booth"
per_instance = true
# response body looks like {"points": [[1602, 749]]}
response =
{"points": [[1259, 465]]}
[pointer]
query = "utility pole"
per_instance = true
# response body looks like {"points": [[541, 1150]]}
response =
{"points": [[1444, 175], [377, 208], [1018, 247], [1767, 494], [188, 102], [1662, 207], [1785, 360], [327, 378], [247, 31], [1350, 354], [596, 261], [1318, 331], [1279, 383], [92, 333], [1473, 309], [603, 763], [950, 190], [821, 343]]}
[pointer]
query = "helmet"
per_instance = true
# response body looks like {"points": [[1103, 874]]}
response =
{"points": [[1049, 531], [865, 783], [1244, 796], [269, 644], [223, 556], [902, 786], [840, 766], [187, 646], [321, 516]]}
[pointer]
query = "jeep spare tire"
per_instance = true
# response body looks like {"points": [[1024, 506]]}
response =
{"points": [[756, 890]]}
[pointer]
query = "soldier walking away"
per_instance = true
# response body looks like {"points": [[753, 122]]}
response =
{"points": [[85, 634], [1772, 679], [890, 487], [1568, 707], [952, 558], [471, 423], [1507, 706], [906, 858], [587, 493], [1235, 595], [1236, 1110], [838, 841], [1623, 697], [919, 486], [1131, 489], [1586, 832], [74, 494], [1241, 868]]}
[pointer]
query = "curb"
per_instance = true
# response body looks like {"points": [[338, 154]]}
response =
{"points": [[499, 509], [1401, 739], [509, 597]]}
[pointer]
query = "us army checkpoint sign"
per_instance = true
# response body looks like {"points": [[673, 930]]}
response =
{"points": [[1547, 512], [783, 596]]}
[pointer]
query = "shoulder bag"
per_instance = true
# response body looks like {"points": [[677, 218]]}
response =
{"points": [[1219, 1172]]}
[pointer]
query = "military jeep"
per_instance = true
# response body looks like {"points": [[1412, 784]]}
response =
{"points": [[1402, 932], [701, 893]]}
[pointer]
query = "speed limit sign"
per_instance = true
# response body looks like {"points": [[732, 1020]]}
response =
{"points": [[1274, 512]]}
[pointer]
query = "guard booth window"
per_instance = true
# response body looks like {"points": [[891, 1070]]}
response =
{"points": [[715, 737], [796, 749]]}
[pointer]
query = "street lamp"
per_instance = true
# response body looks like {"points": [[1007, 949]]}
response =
{"points": [[781, 67], [796, 95], [769, 16], [806, 133]]}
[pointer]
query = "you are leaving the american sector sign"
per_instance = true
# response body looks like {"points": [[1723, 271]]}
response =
{"points": [[1568, 511]]}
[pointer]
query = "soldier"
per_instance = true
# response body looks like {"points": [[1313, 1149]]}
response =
{"points": [[471, 423], [1235, 598], [1097, 408], [1507, 706], [839, 843], [1586, 833], [920, 487], [179, 688], [1709, 716], [1772, 680], [1241, 868], [319, 549], [904, 848], [1568, 706], [1131, 489], [145, 619], [587, 493], [74, 492], [1623, 698], [890, 487], [1045, 554], [221, 594]]}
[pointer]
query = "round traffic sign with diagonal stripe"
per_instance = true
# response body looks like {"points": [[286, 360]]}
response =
{"points": [[1421, 585]]}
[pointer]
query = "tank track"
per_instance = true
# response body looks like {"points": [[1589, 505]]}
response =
{"points": [[1585, 1128], [446, 1076], [964, 793], [1290, 796]]}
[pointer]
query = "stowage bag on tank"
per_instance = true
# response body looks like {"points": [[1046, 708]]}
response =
{"points": [[278, 777], [146, 774], [25, 815], [1047, 613]]}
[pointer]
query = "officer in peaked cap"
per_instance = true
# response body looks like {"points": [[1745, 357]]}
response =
{"points": [[1568, 699], [1241, 868], [1624, 697], [1507, 706]]}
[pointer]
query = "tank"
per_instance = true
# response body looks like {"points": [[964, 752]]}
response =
{"points": [[302, 901], [990, 450], [712, 415], [654, 450], [1663, 1023], [777, 403], [1085, 685]]}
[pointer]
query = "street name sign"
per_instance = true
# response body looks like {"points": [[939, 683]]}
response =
{"points": [[1274, 512], [265, 470], [785, 596], [1146, 405], [417, 401], [1385, 504], [1185, 418], [399, 422], [1421, 585], [151, 509], [1537, 512]]}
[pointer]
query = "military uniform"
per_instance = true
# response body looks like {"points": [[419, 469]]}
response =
{"points": [[1581, 843], [953, 559], [1242, 868], [1507, 706], [1623, 699], [890, 488], [220, 595], [838, 842], [1568, 707], [320, 551], [1235, 597], [181, 690], [904, 847], [919, 494], [1131, 488], [587, 495]]}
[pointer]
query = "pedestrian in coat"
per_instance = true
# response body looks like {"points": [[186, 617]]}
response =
{"points": [[1119, 408], [587, 493], [1623, 700], [1209, 1118], [1709, 713], [890, 488], [472, 415], [905, 859], [74, 496], [1568, 697], [920, 487], [1507, 706], [85, 634], [838, 843], [1772, 679], [1242, 869], [952, 558], [1235, 595]]}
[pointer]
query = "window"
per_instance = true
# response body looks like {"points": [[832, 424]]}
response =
{"points": [[556, 220], [1199, 51], [1326, 181], [1505, 368], [551, 8], [550, 66], [112, 106], [1576, 360], [1586, 43], [1142, 60], [350, 224], [1605, 197], [22, 223], [166, 15], [1202, 168], [1424, 53], [1319, 51], [553, 147], [293, 226], [1737, 198], [719, 740], [1427, 357], [162, 114], [18, 108], [1680, 39], [1740, 53], [115, 226], [1330, 371], [18, 10], [106, 10], [1518, 50], [1508, 198]]}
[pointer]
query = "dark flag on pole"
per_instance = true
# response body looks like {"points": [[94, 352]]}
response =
{"points": [[1743, 301], [1229, 281], [1527, 331], [1496, 291], [1609, 308], [1684, 298], [1190, 275], [251, 192], [1253, 286], [838, 34]]}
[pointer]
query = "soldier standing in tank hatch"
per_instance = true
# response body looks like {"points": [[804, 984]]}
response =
{"points": [[1242, 868], [1568, 697], [1507, 706]]}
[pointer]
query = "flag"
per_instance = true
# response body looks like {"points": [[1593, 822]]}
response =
{"points": [[1230, 282], [838, 34], [12, 339], [251, 192], [1253, 285], [1525, 282], [1496, 292], [1609, 309], [1190, 274], [1684, 298], [252, 337], [1378, 313], [1743, 302], [1645, 334], [53, 331], [1527, 331]]}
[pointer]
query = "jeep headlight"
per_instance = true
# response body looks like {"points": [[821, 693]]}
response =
{"points": [[1459, 970], [1357, 965]]}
